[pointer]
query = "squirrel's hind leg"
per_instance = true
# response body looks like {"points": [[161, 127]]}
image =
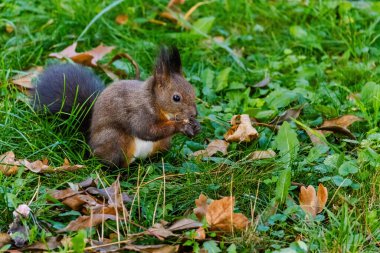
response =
{"points": [[109, 145]]}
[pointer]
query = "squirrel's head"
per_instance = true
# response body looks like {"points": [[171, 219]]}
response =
{"points": [[173, 94]]}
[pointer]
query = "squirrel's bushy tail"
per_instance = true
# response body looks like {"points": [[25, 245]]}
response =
{"points": [[67, 88]]}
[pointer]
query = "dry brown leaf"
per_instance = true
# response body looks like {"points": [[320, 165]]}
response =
{"points": [[344, 121], [5, 239], [184, 224], [50, 244], [41, 166], [312, 202], [241, 130], [73, 199], [313, 135], [23, 81], [121, 19], [83, 222], [322, 196], [288, 115], [160, 248], [8, 164], [88, 58], [339, 125], [201, 209], [219, 214], [262, 154], [175, 2], [201, 234], [212, 148], [159, 231]]}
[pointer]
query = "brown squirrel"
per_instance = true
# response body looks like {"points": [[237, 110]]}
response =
{"points": [[129, 119]]}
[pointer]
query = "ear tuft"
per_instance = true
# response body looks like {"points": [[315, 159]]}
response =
{"points": [[168, 62]]}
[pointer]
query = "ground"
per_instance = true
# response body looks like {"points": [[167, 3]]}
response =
{"points": [[322, 56]]}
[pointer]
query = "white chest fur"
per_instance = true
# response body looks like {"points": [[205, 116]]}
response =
{"points": [[143, 148]]}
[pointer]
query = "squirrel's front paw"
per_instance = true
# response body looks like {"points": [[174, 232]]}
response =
{"points": [[187, 130], [195, 125], [190, 127]]}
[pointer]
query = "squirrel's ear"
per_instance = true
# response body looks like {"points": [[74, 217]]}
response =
{"points": [[168, 63]]}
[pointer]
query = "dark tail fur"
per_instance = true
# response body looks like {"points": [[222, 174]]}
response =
{"points": [[67, 88]]}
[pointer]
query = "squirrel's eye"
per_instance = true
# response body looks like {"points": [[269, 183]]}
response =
{"points": [[176, 98]]}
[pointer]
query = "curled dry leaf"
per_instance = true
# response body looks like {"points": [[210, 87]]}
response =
{"points": [[88, 58], [289, 114], [241, 130], [24, 80], [340, 125], [262, 154], [219, 214], [212, 148], [312, 202], [121, 19], [84, 222]]}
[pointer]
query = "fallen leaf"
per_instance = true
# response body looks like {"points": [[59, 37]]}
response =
{"points": [[23, 81], [121, 19], [73, 199], [262, 83], [340, 125], [49, 244], [159, 231], [241, 130], [160, 248], [112, 194], [312, 202], [316, 136], [262, 154], [344, 121], [219, 214], [41, 166], [288, 115], [213, 147], [175, 2], [83, 222], [8, 164], [88, 58], [184, 224], [201, 234], [5, 239], [201, 209]]}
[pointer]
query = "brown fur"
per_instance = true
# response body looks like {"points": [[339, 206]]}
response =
{"points": [[130, 108]]}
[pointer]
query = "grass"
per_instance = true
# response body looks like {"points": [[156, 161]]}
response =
{"points": [[315, 52]]}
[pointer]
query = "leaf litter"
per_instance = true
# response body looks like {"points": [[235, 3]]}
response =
{"points": [[9, 165]]}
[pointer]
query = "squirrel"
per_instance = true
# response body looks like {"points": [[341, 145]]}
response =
{"points": [[128, 119]]}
